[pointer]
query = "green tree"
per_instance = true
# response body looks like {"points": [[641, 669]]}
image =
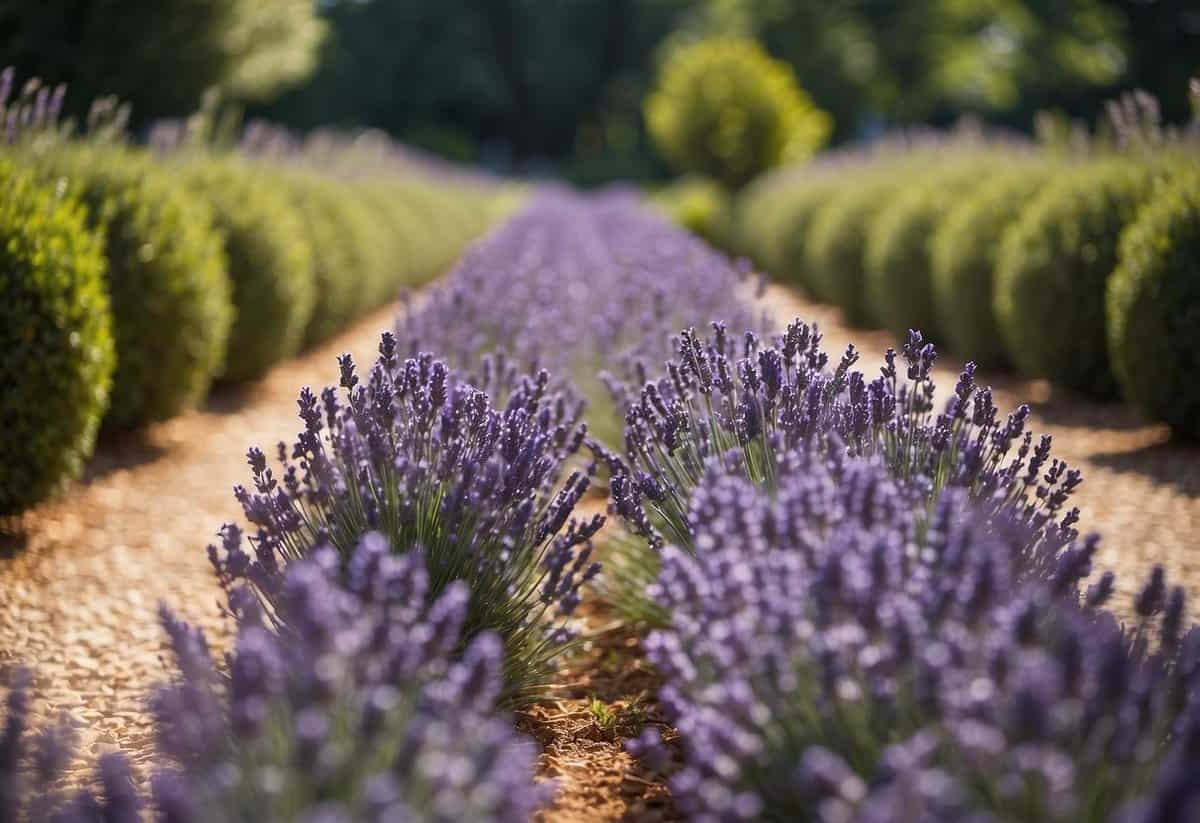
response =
{"points": [[160, 55]]}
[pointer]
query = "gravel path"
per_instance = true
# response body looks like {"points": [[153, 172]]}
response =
{"points": [[80, 588], [1141, 489]]}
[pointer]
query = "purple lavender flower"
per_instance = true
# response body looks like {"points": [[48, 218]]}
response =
{"points": [[837, 651], [591, 288], [427, 460], [356, 707], [745, 414]]}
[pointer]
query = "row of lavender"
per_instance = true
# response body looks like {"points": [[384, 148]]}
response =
{"points": [[865, 608]]}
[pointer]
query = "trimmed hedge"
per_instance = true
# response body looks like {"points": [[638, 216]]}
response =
{"points": [[725, 109], [341, 234], [270, 262], [1153, 306], [788, 235], [837, 238], [965, 255], [899, 252], [56, 346], [170, 293], [1054, 267]]}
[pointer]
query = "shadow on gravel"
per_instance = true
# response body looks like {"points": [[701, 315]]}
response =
{"points": [[1063, 408], [1172, 463], [13, 537], [121, 450], [231, 398]]}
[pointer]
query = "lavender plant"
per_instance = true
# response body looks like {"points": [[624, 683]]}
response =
{"points": [[351, 703], [828, 658], [356, 706], [746, 404], [426, 459]]}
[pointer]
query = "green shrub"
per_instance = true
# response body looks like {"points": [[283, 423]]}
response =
{"points": [[780, 240], [899, 280], [966, 252], [836, 241], [270, 262], [388, 228], [341, 235], [56, 347], [1054, 267], [1154, 306], [700, 206], [167, 283], [723, 108]]}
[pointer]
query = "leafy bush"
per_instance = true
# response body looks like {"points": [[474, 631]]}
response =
{"points": [[1154, 306], [56, 346], [773, 227], [166, 271], [339, 229], [429, 461], [700, 206], [965, 255], [837, 237], [725, 109], [269, 258], [1054, 267], [899, 282]]}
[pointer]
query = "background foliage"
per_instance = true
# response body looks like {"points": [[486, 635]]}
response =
{"points": [[558, 86]]}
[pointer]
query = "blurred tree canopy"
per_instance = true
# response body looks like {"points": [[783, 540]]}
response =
{"points": [[161, 55], [534, 83]]}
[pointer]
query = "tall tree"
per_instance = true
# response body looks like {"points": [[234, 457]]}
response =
{"points": [[161, 55]]}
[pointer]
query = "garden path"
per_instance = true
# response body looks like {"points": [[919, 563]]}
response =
{"points": [[1141, 489]]}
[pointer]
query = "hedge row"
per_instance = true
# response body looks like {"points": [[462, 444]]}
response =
{"points": [[1070, 269], [135, 280]]}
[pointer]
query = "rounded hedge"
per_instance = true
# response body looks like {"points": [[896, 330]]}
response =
{"points": [[56, 346], [170, 293], [789, 232], [898, 256], [1054, 267], [836, 242], [341, 234], [723, 108], [269, 258], [1153, 306], [965, 254]]}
